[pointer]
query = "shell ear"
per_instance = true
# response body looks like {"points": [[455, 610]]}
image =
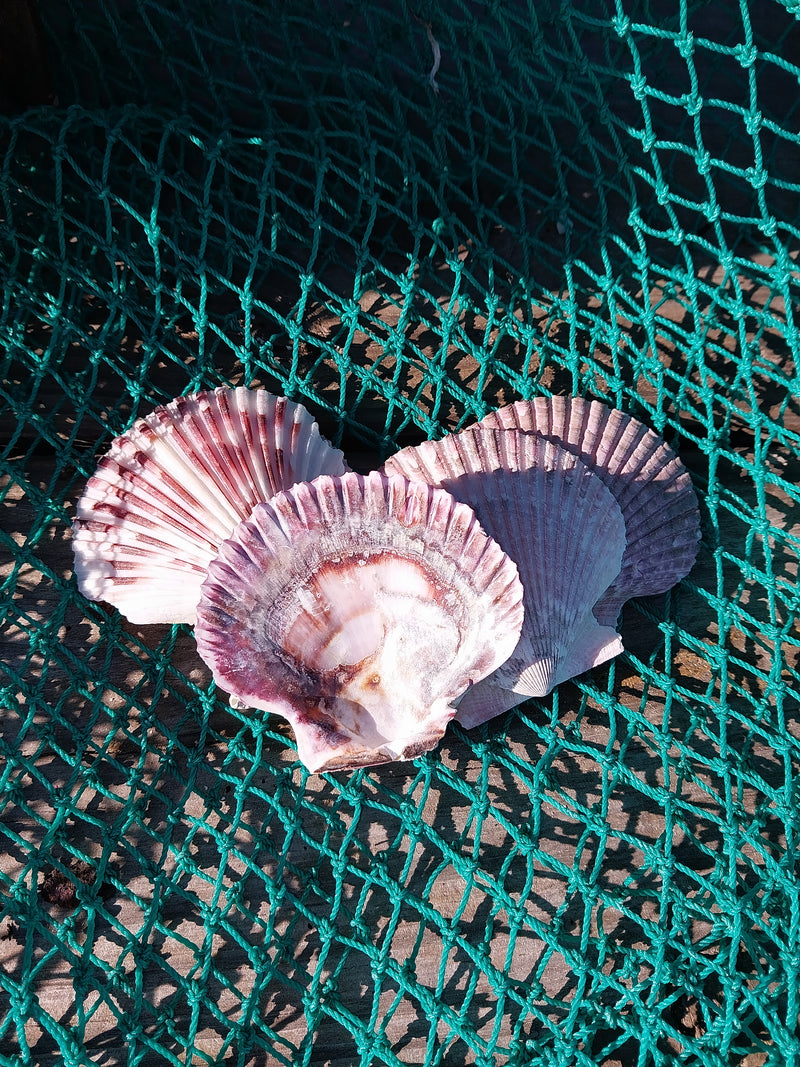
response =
{"points": [[171, 489], [360, 609]]}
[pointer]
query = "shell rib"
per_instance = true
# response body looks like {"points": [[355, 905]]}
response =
{"points": [[360, 609], [171, 489], [650, 484], [564, 530]]}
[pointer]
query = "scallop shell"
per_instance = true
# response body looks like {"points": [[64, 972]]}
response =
{"points": [[649, 482], [564, 530], [360, 609], [171, 489]]}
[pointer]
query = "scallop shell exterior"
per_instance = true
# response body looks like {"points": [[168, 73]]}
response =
{"points": [[360, 609], [170, 490], [650, 484], [564, 530]]}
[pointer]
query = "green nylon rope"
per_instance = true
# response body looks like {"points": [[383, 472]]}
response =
{"points": [[404, 216]]}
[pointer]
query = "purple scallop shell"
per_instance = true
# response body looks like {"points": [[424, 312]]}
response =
{"points": [[360, 609], [170, 490], [649, 482], [564, 530]]}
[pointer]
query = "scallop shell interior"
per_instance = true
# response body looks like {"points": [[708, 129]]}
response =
{"points": [[360, 609], [170, 490], [649, 482], [565, 531]]}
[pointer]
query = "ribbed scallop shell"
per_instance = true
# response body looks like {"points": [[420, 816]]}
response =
{"points": [[650, 484], [170, 490], [564, 530], [360, 609]]}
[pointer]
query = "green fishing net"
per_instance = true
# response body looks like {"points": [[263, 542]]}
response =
{"points": [[403, 217]]}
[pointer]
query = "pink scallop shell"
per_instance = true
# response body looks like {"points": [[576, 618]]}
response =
{"points": [[170, 490], [564, 530], [360, 609], [650, 484]]}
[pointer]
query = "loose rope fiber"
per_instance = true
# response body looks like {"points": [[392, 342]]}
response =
{"points": [[403, 217]]}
